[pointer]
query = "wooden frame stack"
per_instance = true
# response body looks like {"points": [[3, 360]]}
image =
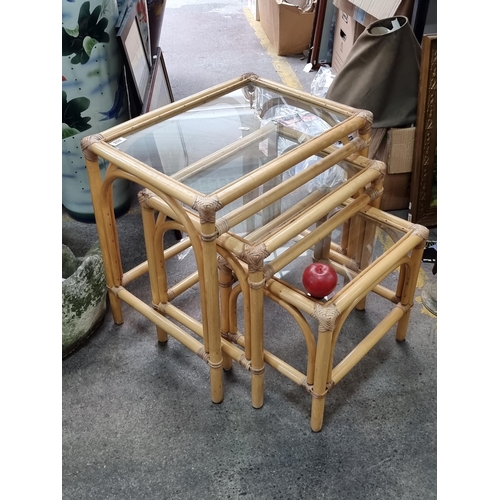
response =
{"points": [[229, 264]]}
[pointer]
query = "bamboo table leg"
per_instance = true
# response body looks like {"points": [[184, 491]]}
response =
{"points": [[410, 284], [207, 208], [226, 281], [156, 262], [327, 331], [254, 256], [102, 200]]}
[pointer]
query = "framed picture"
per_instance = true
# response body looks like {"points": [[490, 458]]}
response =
{"points": [[159, 91], [423, 196], [139, 68]]}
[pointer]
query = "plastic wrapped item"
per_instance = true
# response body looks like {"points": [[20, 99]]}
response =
{"points": [[322, 81], [304, 121], [329, 179]]}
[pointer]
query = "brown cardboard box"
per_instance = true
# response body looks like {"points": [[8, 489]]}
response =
{"points": [[395, 148], [288, 29], [347, 31], [360, 16], [398, 150], [396, 195], [405, 8], [385, 8]]}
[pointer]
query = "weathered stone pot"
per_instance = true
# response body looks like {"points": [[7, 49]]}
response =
{"points": [[83, 297]]}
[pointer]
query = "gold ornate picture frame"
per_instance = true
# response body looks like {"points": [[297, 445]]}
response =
{"points": [[423, 195]]}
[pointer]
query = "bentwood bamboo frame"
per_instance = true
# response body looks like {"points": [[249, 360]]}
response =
{"points": [[164, 201]]}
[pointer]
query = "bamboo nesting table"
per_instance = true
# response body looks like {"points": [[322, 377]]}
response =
{"points": [[225, 167]]}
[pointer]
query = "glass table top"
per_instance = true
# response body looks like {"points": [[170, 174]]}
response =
{"points": [[213, 144]]}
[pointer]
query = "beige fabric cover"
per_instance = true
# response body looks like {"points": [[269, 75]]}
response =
{"points": [[381, 74]]}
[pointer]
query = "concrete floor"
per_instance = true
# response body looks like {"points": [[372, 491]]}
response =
{"points": [[137, 419]]}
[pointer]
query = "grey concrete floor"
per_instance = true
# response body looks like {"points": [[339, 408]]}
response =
{"points": [[137, 419]]}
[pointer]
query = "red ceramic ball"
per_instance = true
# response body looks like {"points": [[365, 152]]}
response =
{"points": [[319, 279]]}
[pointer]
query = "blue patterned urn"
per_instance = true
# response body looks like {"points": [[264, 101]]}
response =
{"points": [[93, 97]]}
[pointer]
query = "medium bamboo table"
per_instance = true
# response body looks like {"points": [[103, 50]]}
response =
{"points": [[226, 167]]}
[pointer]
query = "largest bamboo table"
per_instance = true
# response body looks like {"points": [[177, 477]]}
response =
{"points": [[245, 170]]}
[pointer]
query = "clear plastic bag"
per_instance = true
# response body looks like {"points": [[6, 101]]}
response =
{"points": [[322, 81]]}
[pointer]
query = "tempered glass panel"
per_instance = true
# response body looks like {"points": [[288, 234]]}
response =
{"points": [[289, 206], [214, 144]]}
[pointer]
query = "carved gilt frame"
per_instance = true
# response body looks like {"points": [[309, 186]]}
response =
{"points": [[423, 195]]}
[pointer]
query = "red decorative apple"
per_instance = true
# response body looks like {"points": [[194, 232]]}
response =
{"points": [[319, 279]]}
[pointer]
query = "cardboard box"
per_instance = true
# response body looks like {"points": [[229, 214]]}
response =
{"points": [[395, 148], [355, 12], [253, 7], [347, 31], [405, 8], [288, 28], [379, 9], [396, 195]]}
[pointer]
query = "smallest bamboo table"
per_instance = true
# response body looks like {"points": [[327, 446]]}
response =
{"points": [[228, 167], [389, 270]]}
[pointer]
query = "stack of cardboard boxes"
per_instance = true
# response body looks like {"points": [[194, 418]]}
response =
{"points": [[392, 146]]}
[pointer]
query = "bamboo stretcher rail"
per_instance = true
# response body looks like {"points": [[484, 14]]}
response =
{"points": [[197, 328], [183, 337], [291, 158], [183, 285], [141, 269], [355, 356], [224, 153], [284, 368]]}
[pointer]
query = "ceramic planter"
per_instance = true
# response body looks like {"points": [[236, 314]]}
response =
{"points": [[93, 97]]}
